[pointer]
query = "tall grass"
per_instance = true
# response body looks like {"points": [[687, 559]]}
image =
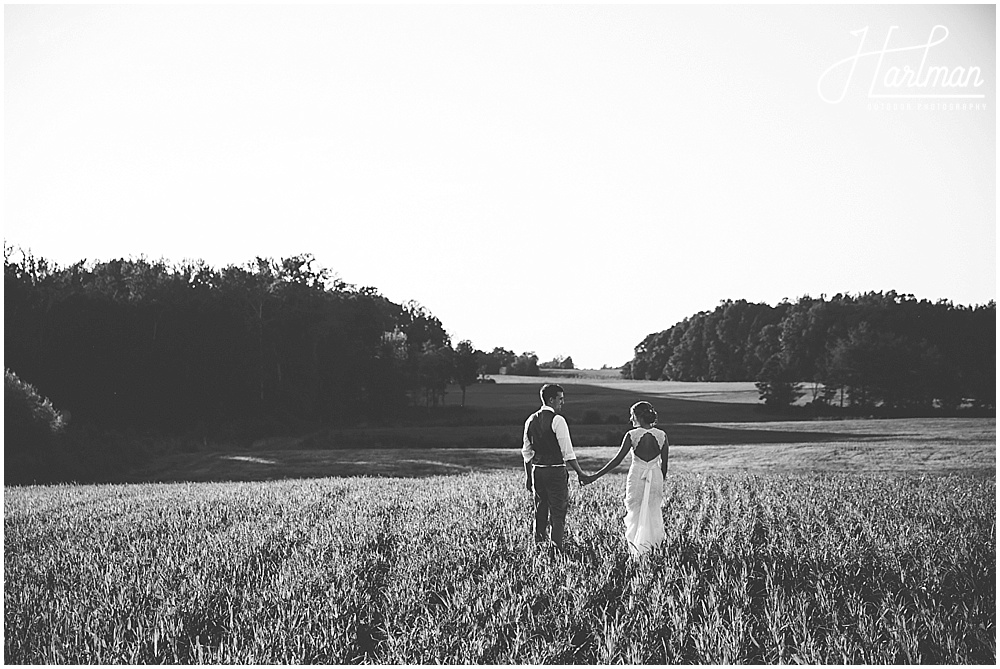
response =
{"points": [[755, 569]]}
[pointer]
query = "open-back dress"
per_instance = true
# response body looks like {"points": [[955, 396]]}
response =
{"points": [[644, 492]]}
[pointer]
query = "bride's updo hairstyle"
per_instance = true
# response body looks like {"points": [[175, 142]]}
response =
{"points": [[644, 411]]}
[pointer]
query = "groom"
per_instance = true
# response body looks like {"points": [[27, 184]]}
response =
{"points": [[547, 450]]}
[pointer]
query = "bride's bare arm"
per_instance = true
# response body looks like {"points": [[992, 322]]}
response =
{"points": [[626, 444], [665, 455]]}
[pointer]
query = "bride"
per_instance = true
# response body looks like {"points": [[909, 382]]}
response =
{"points": [[644, 485]]}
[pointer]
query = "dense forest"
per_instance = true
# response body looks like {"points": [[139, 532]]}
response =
{"points": [[139, 344], [880, 351]]}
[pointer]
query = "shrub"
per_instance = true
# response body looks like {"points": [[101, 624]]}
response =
{"points": [[24, 407], [33, 448]]}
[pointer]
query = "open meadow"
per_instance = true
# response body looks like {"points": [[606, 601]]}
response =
{"points": [[597, 409], [835, 541], [756, 568], [912, 446]]}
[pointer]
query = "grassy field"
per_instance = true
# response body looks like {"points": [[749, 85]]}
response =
{"points": [[823, 542], [814, 568], [918, 446], [743, 392], [597, 408], [512, 398]]}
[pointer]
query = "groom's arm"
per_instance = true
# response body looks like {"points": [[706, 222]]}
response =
{"points": [[527, 452], [576, 465], [561, 428]]}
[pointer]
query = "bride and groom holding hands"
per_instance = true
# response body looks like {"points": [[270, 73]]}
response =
{"points": [[548, 453]]}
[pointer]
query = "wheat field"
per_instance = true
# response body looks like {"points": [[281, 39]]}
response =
{"points": [[756, 568]]}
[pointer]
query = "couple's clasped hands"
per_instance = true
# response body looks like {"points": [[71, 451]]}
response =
{"points": [[586, 479]]}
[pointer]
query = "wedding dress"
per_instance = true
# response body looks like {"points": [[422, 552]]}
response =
{"points": [[644, 495]]}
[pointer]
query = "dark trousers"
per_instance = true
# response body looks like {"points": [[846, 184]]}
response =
{"points": [[551, 486]]}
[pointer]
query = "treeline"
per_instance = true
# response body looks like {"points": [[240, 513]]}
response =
{"points": [[142, 344], [875, 350]]}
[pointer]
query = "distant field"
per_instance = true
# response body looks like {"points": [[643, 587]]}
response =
{"points": [[487, 432], [610, 394], [597, 410], [713, 391], [589, 402], [899, 446]]}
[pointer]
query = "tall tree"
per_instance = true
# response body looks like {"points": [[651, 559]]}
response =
{"points": [[525, 364], [435, 368], [466, 366], [497, 359], [776, 387]]}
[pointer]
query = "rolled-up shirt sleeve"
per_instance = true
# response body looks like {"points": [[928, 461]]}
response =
{"points": [[561, 429], [527, 452]]}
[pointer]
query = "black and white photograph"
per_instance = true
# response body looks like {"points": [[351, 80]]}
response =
{"points": [[499, 334]]}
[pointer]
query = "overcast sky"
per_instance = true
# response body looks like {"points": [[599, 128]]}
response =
{"points": [[562, 179]]}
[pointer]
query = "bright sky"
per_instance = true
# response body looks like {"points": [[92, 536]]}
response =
{"points": [[561, 179]]}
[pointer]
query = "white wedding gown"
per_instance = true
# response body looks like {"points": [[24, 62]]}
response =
{"points": [[644, 496]]}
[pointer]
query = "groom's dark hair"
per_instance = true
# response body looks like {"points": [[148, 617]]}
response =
{"points": [[549, 391]]}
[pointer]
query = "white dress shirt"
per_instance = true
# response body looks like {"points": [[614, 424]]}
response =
{"points": [[561, 428]]}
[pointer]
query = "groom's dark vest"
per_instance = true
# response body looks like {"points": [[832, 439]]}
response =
{"points": [[543, 439]]}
